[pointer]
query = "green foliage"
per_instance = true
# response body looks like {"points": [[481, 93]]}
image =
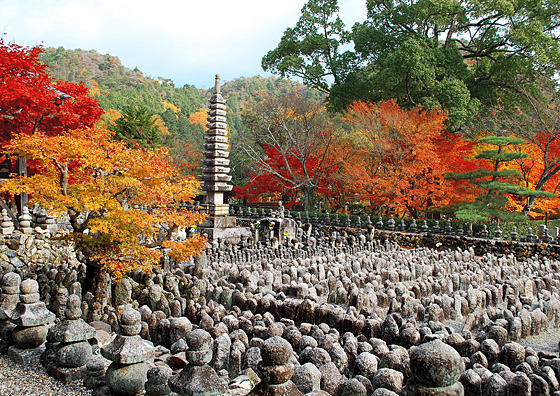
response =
{"points": [[119, 88], [497, 183], [460, 56], [311, 49], [137, 126]]}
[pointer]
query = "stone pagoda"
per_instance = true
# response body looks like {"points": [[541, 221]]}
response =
{"points": [[216, 176]]}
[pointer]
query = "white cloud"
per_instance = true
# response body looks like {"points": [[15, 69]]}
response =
{"points": [[188, 41]]}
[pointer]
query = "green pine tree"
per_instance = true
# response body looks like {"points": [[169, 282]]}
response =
{"points": [[137, 126], [497, 183]]}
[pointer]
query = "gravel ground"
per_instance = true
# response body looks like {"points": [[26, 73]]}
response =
{"points": [[33, 380], [546, 342]]}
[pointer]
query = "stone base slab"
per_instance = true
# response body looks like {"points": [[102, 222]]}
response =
{"points": [[25, 356], [452, 390], [220, 222], [66, 375], [231, 234], [106, 391], [287, 388]]}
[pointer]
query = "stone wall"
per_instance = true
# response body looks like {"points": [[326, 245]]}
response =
{"points": [[499, 247]]}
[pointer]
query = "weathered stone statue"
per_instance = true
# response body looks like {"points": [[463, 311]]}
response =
{"points": [[73, 350], [198, 378], [436, 368], [274, 370], [128, 352], [8, 301], [31, 317], [280, 210]]}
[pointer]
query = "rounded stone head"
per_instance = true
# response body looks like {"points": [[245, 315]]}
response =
{"points": [[73, 307], [130, 322], [199, 352], [435, 365], [10, 283], [276, 351], [29, 291], [159, 375], [29, 286], [199, 340]]}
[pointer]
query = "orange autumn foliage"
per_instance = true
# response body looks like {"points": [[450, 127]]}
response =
{"points": [[112, 193], [404, 157], [199, 117], [533, 171]]}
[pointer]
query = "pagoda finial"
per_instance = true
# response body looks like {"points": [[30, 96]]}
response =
{"points": [[217, 86]]}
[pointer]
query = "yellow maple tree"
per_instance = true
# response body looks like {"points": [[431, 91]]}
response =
{"points": [[111, 116], [199, 117], [158, 121], [175, 109], [123, 203]]}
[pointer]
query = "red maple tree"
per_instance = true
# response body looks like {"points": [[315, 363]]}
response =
{"points": [[30, 101], [404, 156]]}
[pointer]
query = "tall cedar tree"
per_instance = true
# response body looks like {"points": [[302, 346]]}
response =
{"points": [[137, 126]]}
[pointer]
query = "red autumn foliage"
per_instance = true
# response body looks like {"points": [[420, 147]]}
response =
{"points": [[268, 186], [30, 101], [404, 157]]}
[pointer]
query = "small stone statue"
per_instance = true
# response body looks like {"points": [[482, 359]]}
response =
{"points": [[94, 377], [8, 301], [280, 210], [74, 350], [31, 317], [198, 378], [274, 370], [157, 381], [128, 352], [7, 224], [436, 368]]}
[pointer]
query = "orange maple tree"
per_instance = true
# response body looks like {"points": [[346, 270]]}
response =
{"points": [[199, 117], [404, 157], [112, 194]]}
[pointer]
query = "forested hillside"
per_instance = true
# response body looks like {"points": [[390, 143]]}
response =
{"points": [[180, 111]]}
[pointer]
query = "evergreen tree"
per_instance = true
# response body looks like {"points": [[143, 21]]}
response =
{"points": [[495, 183], [137, 126]]}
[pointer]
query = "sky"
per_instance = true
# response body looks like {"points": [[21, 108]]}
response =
{"points": [[185, 40]]}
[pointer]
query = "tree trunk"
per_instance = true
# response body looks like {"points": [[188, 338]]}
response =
{"points": [[95, 281], [308, 203], [529, 205]]}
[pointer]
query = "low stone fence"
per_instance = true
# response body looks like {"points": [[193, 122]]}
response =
{"points": [[250, 215]]}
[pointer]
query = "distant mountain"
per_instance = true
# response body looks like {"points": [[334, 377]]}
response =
{"points": [[180, 110]]}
